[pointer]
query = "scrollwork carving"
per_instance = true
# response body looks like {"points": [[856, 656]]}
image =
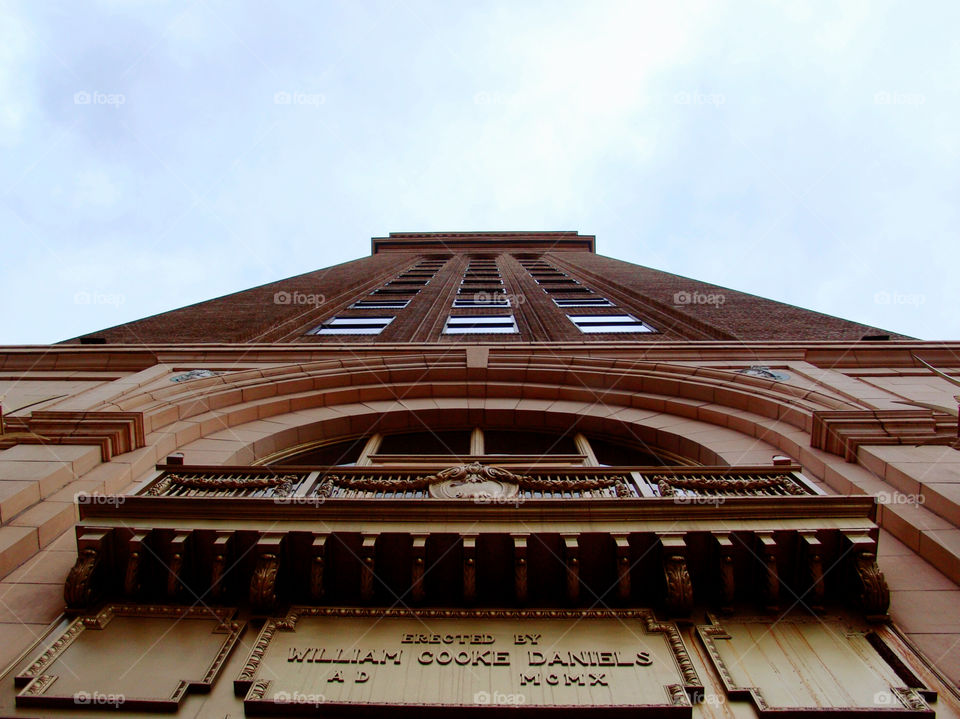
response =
{"points": [[668, 485], [473, 474], [874, 593], [263, 583], [80, 591], [282, 484], [910, 698], [679, 586]]}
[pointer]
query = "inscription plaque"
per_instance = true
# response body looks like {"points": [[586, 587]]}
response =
{"points": [[353, 658]]}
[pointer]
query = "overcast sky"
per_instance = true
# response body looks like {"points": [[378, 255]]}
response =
{"points": [[157, 154]]}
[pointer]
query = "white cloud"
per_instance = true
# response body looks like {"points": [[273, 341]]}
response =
{"points": [[739, 143]]}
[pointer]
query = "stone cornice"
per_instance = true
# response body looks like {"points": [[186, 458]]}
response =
{"points": [[842, 432], [114, 432], [132, 358]]}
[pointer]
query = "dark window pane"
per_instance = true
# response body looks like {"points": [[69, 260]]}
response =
{"points": [[510, 442], [426, 443], [616, 454], [340, 453]]}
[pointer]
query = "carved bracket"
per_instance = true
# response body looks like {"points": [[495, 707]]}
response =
{"points": [[469, 567], [769, 574], [419, 560], [263, 582], [176, 584], [317, 566], [874, 593], [679, 599], [870, 586], [520, 567], [571, 550], [812, 561], [368, 570], [622, 548], [83, 586], [726, 586], [222, 545], [136, 546]]}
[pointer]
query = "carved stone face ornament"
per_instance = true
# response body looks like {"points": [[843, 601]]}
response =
{"points": [[474, 481]]}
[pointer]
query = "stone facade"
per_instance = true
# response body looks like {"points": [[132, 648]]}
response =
{"points": [[722, 389]]}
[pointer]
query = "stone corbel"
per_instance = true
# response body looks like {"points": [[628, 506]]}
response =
{"points": [[83, 587], [769, 574], [131, 577], [221, 554], [813, 561], [469, 567], [418, 566], [571, 550], [263, 582], [870, 584], [679, 599], [726, 585], [520, 567], [317, 565], [368, 568], [622, 546], [178, 554]]}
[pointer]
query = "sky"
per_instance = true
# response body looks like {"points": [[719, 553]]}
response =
{"points": [[157, 154]]}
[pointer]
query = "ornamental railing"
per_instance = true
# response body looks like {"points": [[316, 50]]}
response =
{"points": [[475, 480]]}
